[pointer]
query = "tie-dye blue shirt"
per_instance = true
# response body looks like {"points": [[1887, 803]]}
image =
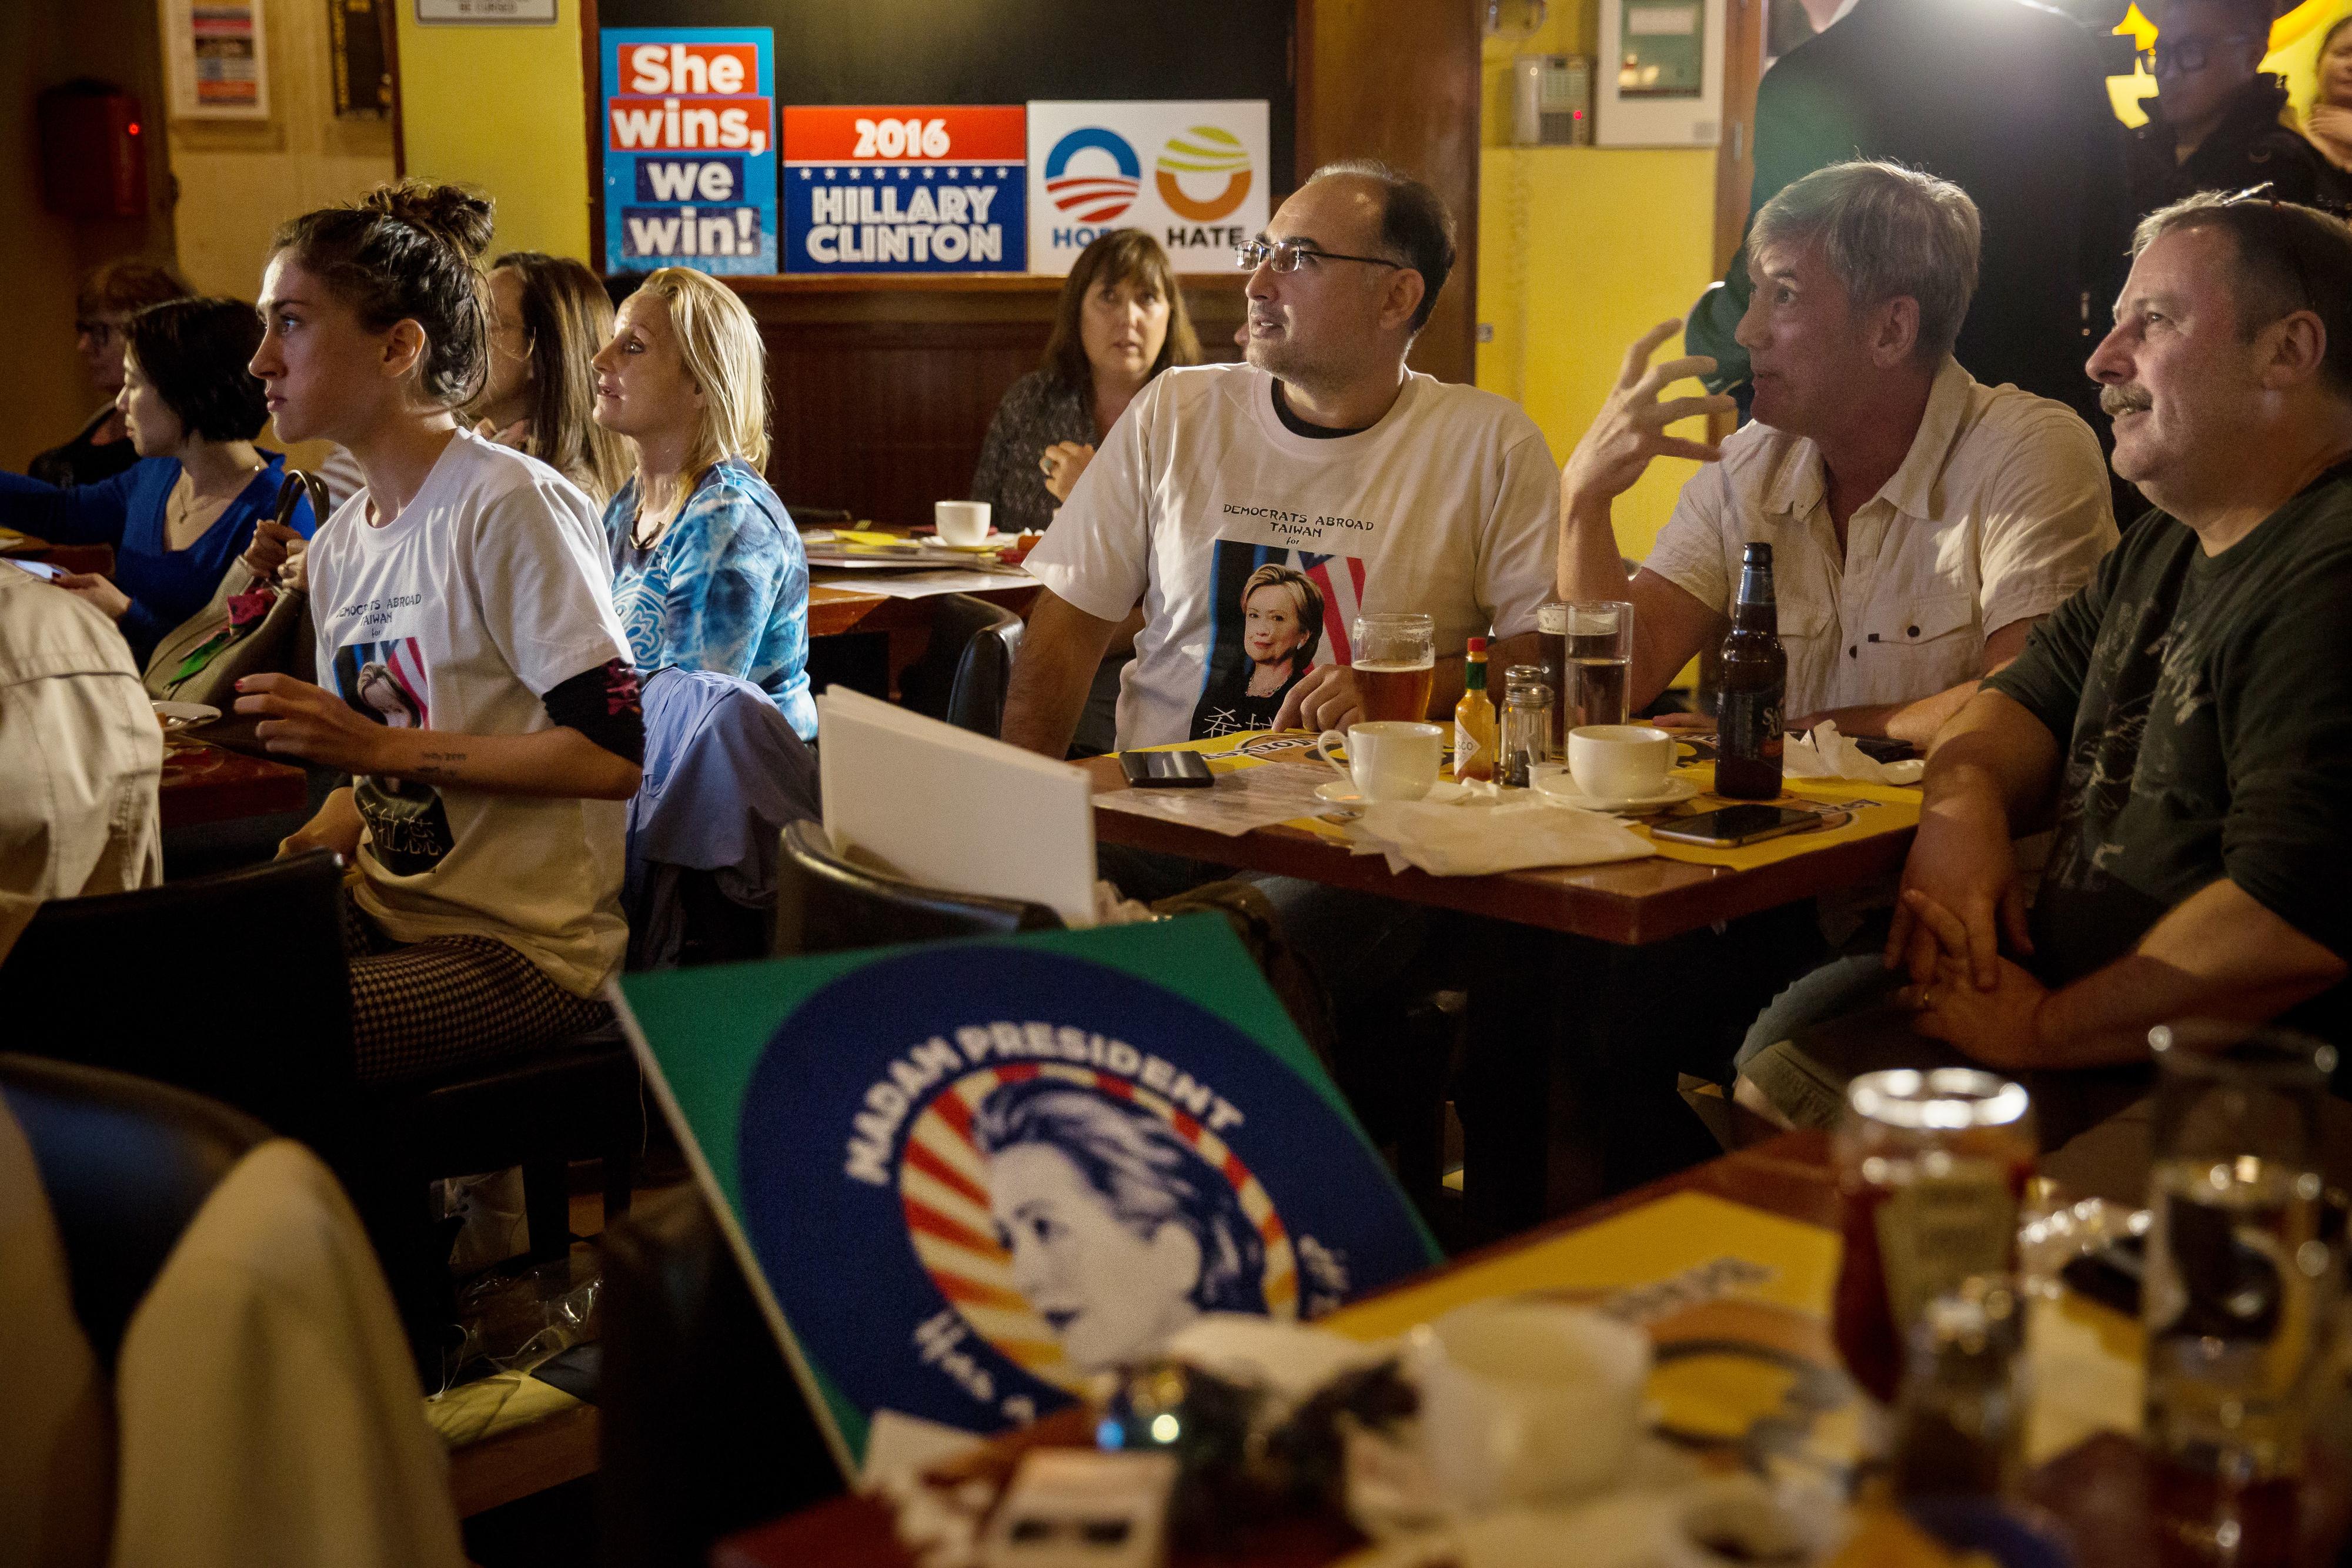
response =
{"points": [[725, 587]]}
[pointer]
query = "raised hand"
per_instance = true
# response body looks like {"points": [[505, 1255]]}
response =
{"points": [[1630, 428]]}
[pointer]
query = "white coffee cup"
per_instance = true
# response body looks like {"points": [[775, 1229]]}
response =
{"points": [[1527, 1401], [962, 522], [1388, 760], [1620, 761]]}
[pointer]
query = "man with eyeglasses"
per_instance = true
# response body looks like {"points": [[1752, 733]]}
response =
{"points": [[2215, 122], [2188, 717], [1322, 453], [112, 294]]}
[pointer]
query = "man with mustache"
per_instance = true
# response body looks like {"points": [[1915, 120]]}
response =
{"points": [[2188, 717], [1921, 522]]}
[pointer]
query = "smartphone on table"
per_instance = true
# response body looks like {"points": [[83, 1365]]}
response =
{"points": [[1735, 825], [1166, 769]]}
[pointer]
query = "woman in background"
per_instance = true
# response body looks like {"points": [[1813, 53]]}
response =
{"points": [[708, 571], [178, 517], [114, 292], [1121, 322], [2328, 122], [549, 315]]}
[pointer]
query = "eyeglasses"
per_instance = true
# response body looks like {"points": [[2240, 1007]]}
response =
{"points": [[1288, 255], [2194, 53]]}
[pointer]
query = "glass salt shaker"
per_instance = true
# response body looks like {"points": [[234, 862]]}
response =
{"points": [[1526, 726]]}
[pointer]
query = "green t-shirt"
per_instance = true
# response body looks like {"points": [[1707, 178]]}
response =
{"points": [[2204, 703]]}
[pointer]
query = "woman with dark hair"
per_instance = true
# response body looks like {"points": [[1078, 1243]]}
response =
{"points": [[482, 696], [2327, 123], [1121, 322], [178, 517], [549, 315], [114, 292], [1121, 1232]]}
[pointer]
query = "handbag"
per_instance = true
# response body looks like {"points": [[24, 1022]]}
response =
{"points": [[253, 625]]}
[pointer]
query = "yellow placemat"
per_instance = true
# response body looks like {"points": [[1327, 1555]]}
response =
{"points": [[1876, 808]]}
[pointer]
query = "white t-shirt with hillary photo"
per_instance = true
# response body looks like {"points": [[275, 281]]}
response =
{"points": [[487, 590], [1252, 548]]}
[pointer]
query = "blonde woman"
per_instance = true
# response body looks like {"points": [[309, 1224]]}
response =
{"points": [[549, 315], [707, 571]]}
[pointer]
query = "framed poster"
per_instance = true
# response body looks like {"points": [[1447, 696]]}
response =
{"points": [[689, 149], [216, 60], [906, 189], [1205, 192], [964, 1177]]}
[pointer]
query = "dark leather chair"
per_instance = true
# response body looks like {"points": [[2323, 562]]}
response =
{"points": [[704, 1429], [126, 1163], [825, 903], [963, 672]]}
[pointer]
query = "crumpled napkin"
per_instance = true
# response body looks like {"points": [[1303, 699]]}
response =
{"points": [[1826, 754], [1474, 833]]}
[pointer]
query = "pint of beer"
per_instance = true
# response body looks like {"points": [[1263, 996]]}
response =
{"points": [[1396, 664]]}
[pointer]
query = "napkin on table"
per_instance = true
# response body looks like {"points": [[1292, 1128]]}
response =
{"points": [[1470, 832], [1826, 754]]}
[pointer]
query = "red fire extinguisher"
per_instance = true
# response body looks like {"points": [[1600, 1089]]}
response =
{"points": [[93, 151]]}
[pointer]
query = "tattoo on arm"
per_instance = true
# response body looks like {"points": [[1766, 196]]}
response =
{"points": [[439, 765]]}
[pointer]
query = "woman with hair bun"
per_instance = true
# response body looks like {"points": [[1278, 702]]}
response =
{"points": [[708, 571], [180, 515], [480, 690], [549, 315]]}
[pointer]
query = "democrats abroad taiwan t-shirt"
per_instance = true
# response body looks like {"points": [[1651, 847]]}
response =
{"points": [[1252, 549], [487, 591]]}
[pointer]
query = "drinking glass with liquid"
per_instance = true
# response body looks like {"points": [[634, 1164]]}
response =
{"points": [[1590, 644], [1396, 664], [2239, 1282]]}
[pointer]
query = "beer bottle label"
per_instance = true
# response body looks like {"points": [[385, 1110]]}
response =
{"points": [[1748, 724]]}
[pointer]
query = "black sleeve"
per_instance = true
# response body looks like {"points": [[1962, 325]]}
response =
{"points": [[602, 705], [2049, 677]]}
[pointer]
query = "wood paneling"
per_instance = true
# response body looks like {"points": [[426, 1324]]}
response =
{"points": [[1398, 80], [883, 388], [1735, 160]]}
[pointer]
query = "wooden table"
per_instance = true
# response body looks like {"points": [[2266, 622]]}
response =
{"points": [[206, 784], [837, 607], [1629, 903], [2105, 1493]]}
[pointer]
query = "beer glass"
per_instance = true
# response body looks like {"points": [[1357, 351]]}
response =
{"points": [[1930, 1167], [2239, 1282], [1596, 658], [1396, 666]]}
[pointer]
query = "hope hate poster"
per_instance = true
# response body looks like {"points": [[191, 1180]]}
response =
{"points": [[964, 1177], [1193, 174], [689, 149]]}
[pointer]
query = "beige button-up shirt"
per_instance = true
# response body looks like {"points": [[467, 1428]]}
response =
{"points": [[1999, 514], [80, 756]]}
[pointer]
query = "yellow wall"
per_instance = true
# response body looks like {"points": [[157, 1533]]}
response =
{"points": [[500, 108], [240, 179], [1580, 251]]}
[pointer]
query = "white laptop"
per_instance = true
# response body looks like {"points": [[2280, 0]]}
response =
{"points": [[951, 810]]}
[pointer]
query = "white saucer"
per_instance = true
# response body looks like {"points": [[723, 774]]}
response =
{"points": [[180, 716], [1561, 791], [1338, 794]]}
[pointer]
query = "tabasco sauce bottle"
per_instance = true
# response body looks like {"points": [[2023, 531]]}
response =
{"points": [[1474, 721], [1755, 688]]}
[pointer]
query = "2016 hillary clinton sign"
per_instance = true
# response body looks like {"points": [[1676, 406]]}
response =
{"points": [[972, 1175]]}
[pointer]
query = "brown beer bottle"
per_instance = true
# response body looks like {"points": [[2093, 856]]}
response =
{"points": [[1755, 686]]}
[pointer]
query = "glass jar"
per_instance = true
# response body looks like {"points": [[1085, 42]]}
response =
{"points": [[1931, 1169], [1526, 739]]}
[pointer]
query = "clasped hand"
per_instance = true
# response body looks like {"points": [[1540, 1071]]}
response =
{"points": [[1961, 895]]}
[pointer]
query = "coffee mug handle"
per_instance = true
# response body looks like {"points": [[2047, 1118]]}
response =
{"points": [[1323, 745]]}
